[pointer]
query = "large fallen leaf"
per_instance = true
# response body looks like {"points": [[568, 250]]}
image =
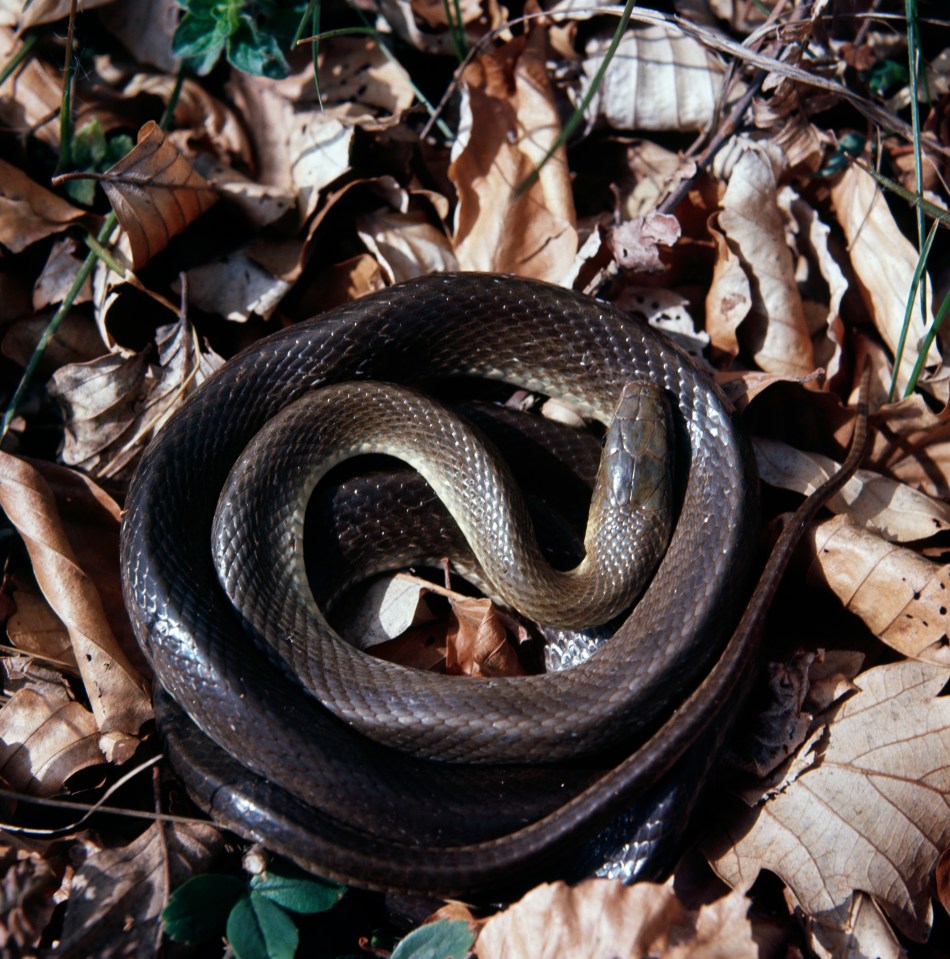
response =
{"points": [[406, 244], [884, 261], [356, 70], [155, 193], [113, 404], [28, 212], [35, 628], [59, 275], [236, 287], [754, 233], [115, 691], [118, 894], [509, 121], [899, 594], [44, 739], [659, 79], [901, 513], [604, 919], [863, 808], [49, 11]]}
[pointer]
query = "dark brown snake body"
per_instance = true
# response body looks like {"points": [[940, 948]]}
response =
{"points": [[283, 769]]}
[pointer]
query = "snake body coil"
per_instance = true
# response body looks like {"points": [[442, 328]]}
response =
{"points": [[272, 764]]}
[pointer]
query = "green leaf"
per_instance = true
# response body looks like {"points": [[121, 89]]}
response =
{"points": [[198, 909], [445, 939], [89, 146], [200, 40], [257, 929], [255, 52], [303, 893], [885, 75]]}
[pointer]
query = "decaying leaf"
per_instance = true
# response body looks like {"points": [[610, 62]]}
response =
{"points": [[754, 236], [118, 894], [44, 739], [30, 98], [236, 288], [635, 243], [509, 121], [884, 261], [406, 244], [602, 919], [58, 275], [155, 193], [899, 594], [113, 404], [901, 514], [28, 212], [355, 70], [35, 628], [116, 692], [864, 808], [28, 879]]}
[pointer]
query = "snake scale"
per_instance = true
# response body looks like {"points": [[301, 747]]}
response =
{"points": [[563, 754]]}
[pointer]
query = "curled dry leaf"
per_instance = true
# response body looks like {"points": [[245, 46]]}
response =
{"points": [[44, 739], [659, 79], [477, 644], [28, 212], [509, 121], [155, 193], [118, 894], [356, 71], [113, 404], [602, 919], [754, 237], [884, 261], [58, 275], [115, 691], [635, 243], [900, 595], [864, 809], [901, 513]]}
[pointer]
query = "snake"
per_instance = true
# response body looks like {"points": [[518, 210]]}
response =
{"points": [[547, 761]]}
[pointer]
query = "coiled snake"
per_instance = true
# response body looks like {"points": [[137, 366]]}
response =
{"points": [[271, 763]]}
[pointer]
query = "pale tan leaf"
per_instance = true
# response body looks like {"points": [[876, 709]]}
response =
{"points": [[900, 595], [116, 692], [729, 300], [236, 288], [668, 311], [754, 230], [858, 931], [44, 739], [867, 809], [30, 98], [118, 894], [389, 608], [75, 341], [318, 150], [655, 172], [509, 120], [260, 203], [28, 212], [355, 70], [145, 28], [659, 79], [898, 511], [884, 261], [155, 193], [406, 244], [635, 243], [603, 919], [113, 404]]}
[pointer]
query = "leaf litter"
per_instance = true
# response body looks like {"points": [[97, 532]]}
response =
{"points": [[782, 263]]}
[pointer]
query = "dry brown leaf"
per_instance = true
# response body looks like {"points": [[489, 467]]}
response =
{"points": [[116, 692], [113, 404], [118, 894], [35, 628], [30, 98], [604, 919], [659, 79], [477, 644], [900, 595], [406, 244], [884, 261], [318, 151], [49, 11], [28, 212], [236, 287], [58, 276], [356, 70], [146, 28], [155, 193], [259, 203], [44, 739], [75, 341], [509, 121], [30, 876], [655, 172], [899, 512], [864, 809], [754, 232], [668, 311]]}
